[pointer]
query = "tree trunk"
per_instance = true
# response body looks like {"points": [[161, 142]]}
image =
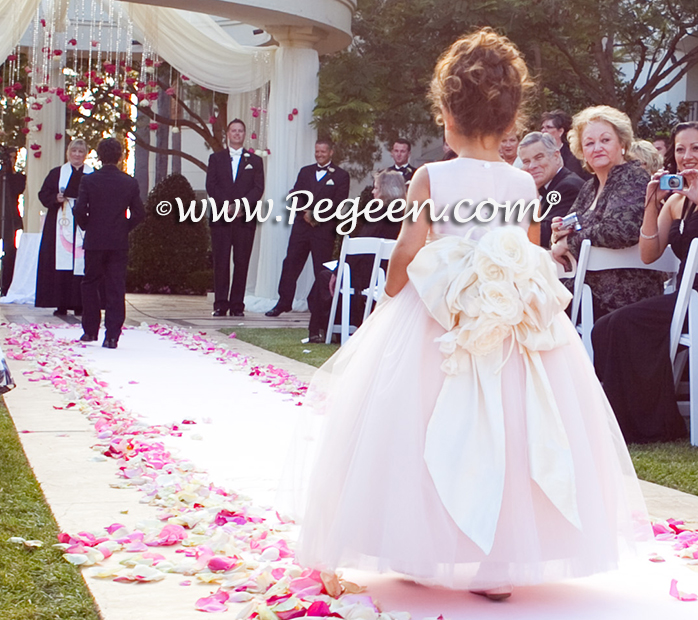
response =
{"points": [[142, 170]]}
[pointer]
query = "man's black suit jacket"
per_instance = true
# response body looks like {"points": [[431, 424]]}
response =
{"points": [[100, 210], [333, 186], [567, 184], [249, 182]]}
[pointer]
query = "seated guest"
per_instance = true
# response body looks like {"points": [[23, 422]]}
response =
{"points": [[661, 143], [508, 148], [631, 345], [541, 158], [610, 207], [556, 124], [388, 186], [647, 154]]}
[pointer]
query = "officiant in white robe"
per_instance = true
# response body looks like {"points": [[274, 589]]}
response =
{"points": [[61, 256]]}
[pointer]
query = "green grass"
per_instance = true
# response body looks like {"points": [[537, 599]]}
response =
{"points": [[673, 465], [285, 341], [35, 584]]}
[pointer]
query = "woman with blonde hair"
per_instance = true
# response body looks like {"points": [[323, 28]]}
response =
{"points": [[467, 442], [647, 154], [609, 207], [61, 257]]}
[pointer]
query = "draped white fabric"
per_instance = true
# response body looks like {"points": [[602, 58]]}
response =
{"points": [[291, 143], [199, 48], [15, 17]]}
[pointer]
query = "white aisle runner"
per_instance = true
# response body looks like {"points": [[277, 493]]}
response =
{"points": [[241, 433]]}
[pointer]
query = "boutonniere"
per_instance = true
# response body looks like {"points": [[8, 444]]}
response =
{"points": [[331, 169], [247, 154]]}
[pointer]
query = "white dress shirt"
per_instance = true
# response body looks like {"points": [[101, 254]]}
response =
{"points": [[235, 155]]}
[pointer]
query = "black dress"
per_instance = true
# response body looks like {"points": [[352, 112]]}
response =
{"points": [[56, 288], [631, 356]]}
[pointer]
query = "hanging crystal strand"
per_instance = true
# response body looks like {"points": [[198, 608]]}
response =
{"points": [[91, 46], [36, 45]]}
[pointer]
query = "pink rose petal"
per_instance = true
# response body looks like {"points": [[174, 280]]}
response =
{"points": [[676, 593]]}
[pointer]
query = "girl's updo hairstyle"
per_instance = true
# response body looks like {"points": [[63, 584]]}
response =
{"points": [[482, 82]]}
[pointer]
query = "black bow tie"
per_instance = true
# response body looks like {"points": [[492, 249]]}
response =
{"points": [[322, 168]]}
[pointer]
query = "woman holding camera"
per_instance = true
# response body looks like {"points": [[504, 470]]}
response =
{"points": [[609, 207], [631, 345]]}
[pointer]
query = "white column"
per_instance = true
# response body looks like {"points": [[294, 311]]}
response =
{"points": [[292, 142]]}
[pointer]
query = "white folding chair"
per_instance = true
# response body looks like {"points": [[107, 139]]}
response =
{"points": [[376, 286], [599, 259], [351, 246], [687, 302]]}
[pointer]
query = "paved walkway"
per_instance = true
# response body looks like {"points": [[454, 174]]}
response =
{"points": [[80, 488]]}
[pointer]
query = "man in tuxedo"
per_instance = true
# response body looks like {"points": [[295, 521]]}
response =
{"points": [[401, 156], [108, 207], [541, 158], [324, 180], [556, 124], [233, 173]]}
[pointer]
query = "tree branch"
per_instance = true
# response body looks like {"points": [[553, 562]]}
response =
{"points": [[154, 149]]}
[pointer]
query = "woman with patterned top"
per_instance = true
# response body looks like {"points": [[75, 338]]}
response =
{"points": [[631, 345], [609, 207]]}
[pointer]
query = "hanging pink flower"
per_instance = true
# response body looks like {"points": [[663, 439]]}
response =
{"points": [[128, 69], [81, 84], [99, 81], [116, 92], [251, 150], [64, 98], [39, 126], [37, 154], [9, 92], [25, 130], [28, 119], [35, 147], [59, 91], [290, 117], [148, 62], [43, 23], [28, 69], [95, 43], [253, 136], [57, 52], [130, 80], [295, 111], [141, 84], [123, 116], [151, 96], [88, 105], [17, 86], [255, 113], [109, 68], [12, 57], [170, 91], [36, 106], [153, 126], [73, 106], [185, 78], [212, 119], [58, 136], [72, 41], [152, 83]]}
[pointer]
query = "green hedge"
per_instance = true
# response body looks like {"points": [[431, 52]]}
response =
{"points": [[166, 255]]}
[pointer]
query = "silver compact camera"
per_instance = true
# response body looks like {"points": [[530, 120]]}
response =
{"points": [[570, 222], [671, 182]]}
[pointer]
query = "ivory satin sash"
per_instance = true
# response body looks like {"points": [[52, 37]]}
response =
{"points": [[501, 290]]}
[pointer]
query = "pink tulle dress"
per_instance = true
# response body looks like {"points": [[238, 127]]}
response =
{"points": [[461, 437]]}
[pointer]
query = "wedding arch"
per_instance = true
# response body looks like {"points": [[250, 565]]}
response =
{"points": [[185, 35]]}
